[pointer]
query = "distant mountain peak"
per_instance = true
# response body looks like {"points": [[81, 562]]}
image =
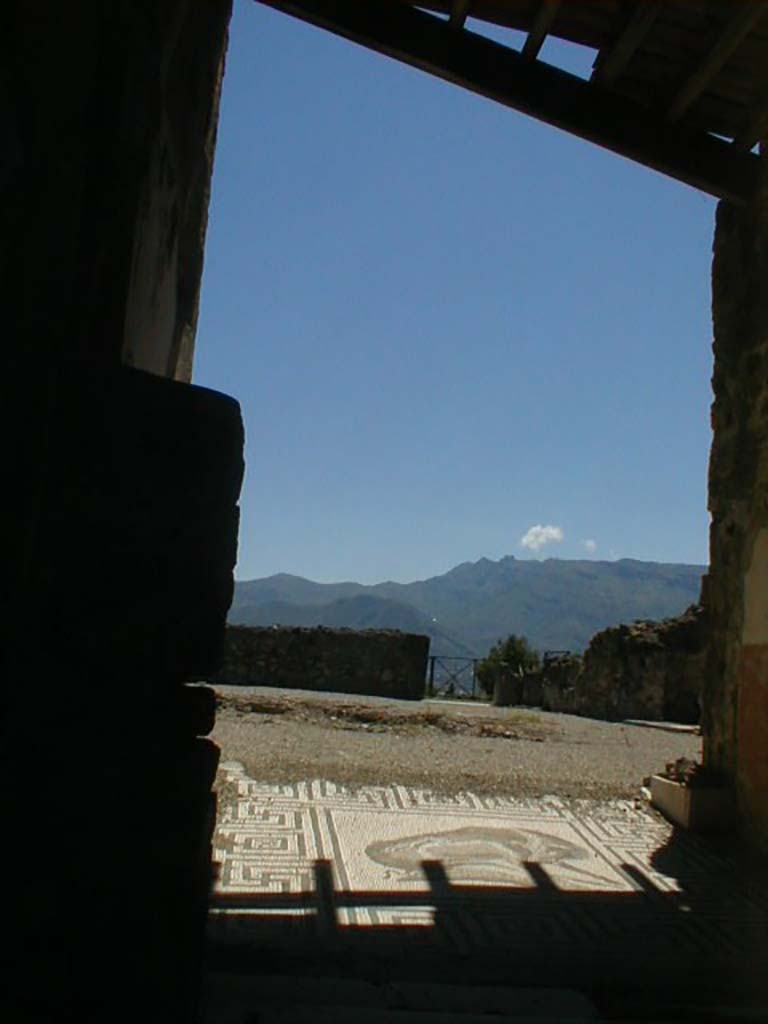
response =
{"points": [[557, 603]]}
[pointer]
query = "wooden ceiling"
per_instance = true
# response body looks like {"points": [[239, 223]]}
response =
{"points": [[678, 85]]}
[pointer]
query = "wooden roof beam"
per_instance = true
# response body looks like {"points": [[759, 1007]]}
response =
{"points": [[612, 60], [459, 12], [740, 25], [545, 15], [556, 97], [756, 128]]}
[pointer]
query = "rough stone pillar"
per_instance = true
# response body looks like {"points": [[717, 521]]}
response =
{"points": [[735, 702]]}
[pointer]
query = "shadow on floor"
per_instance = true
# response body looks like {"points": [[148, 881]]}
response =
{"points": [[631, 952]]}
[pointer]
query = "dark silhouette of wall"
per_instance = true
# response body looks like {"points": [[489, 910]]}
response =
{"points": [[121, 518]]}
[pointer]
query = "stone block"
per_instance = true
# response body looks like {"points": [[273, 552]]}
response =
{"points": [[699, 808], [137, 552]]}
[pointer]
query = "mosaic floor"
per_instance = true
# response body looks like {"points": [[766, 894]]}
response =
{"points": [[377, 839], [470, 872]]}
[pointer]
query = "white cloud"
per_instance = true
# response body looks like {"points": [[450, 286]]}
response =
{"points": [[537, 536], [590, 546]]}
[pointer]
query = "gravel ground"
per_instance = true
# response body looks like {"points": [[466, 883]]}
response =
{"points": [[444, 746]]}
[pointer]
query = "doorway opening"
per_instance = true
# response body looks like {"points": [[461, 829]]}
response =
{"points": [[517, 378]]}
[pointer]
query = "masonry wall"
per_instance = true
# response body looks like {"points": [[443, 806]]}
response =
{"points": [[736, 590], [648, 670], [382, 663]]}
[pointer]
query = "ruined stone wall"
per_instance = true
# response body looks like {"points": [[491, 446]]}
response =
{"points": [[532, 690], [382, 663], [558, 682], [647, 670], [735, 718]]}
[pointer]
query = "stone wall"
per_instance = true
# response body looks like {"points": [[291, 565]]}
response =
{"points": [[378, 662], [735, 720], [532, 689], [648, 670], [558, 681]]}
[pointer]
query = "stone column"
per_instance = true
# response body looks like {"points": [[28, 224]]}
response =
{"points": [[735, 704]]}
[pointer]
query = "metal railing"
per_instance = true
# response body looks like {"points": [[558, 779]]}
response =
{"points": [[554, 655], [451, 676]]}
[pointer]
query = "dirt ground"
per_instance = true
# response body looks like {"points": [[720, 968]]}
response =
{"points": [[444, 746]]}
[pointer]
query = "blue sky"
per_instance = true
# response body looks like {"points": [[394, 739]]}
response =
{"points": [[446, 323]]}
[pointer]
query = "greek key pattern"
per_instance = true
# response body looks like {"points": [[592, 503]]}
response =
{"points": [[471, 872]]}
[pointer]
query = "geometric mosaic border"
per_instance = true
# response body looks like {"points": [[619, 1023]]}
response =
{"points": [[399, 856]]}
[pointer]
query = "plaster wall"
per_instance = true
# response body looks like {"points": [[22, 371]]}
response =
{"points": [[735, 706], [109, 117], [180, 84]]}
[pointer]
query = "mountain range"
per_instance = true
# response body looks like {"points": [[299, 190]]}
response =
{"points": [[556, 603]]}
